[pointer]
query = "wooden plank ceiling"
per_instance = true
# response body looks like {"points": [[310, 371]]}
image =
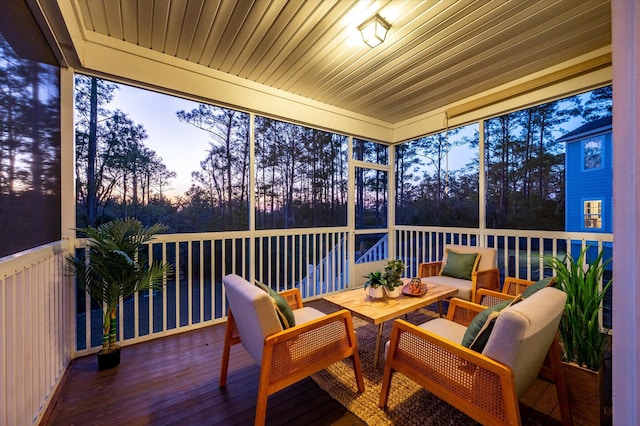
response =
{"points": [[436, 52]]}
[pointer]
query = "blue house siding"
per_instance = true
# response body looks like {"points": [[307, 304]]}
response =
{"points": [[594, 183], [588, 184]]}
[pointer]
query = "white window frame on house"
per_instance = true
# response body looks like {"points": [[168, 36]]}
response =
{"points": [[586, 154], [592, 220]]}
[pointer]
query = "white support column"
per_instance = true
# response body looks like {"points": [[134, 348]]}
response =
{"points": [[67, 155], [391, 203], [68, 189], [252, 196], [626, 220], [482, 192], [351, 211]]}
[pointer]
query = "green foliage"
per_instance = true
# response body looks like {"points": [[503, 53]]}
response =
{"points": [[117, 266], [390, 278], [375, 280], [392, 273], [582, 339], [300, 172]]}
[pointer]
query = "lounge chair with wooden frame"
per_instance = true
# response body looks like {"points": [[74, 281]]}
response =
{"points": [[511, 288], [286, 355], [484, 273], [486, 386]]}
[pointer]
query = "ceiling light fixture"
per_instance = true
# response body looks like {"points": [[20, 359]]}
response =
{"points": [[374, 30]]}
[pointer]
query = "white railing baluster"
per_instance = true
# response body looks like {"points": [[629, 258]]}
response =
{"points": [[35, 331]]}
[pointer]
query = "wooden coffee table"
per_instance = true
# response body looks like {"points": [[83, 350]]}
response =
{"points": [[377, 311]]}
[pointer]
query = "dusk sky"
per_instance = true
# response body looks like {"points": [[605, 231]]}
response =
{"points": [[180, 145]]}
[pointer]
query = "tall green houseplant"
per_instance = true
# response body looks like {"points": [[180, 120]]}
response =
{"points": [[116, 268], [583, 342]]}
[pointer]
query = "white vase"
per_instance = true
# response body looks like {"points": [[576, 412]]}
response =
{"points": [[396, 292], [376, 293]]}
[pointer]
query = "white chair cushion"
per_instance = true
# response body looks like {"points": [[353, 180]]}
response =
{"points": [[488, 260], [444, 328], [253, 312], [523, 334], [463, 286], [306, 314]]}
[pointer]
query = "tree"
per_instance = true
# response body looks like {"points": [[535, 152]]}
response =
{"points": [[29, 151], [524, 166], [431, 190], [224, 172], [91, 94], [300, 176], [371, 185], [157, 176], [598, 105], [114, 167], [406, 165]]}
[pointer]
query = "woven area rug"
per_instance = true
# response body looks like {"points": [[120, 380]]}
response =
{"points": [[409, 403]]}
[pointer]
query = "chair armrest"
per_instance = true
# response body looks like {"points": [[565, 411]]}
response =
{"points": [[515, 286], [462, 311], [293, 297], [429, 269], [460, 376], [342, 316], [304, 349], [489, 278], [488, 298]]}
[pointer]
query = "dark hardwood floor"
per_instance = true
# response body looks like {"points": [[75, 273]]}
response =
{"points": [[174, 380]]}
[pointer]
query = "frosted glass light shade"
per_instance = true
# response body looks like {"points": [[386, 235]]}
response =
{"points": [[374, 30]]}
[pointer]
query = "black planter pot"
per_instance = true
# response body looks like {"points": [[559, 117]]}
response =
{"points": [[108, 360]]}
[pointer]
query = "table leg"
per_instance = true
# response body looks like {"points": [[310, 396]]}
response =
{"points": [[378, 339], [440, 308]]}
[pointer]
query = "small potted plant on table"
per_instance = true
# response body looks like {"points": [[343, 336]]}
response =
{"points": [[392, 274], [375, 284]]}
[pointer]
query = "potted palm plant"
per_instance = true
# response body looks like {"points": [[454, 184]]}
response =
{"points": [[392, 274], [583, 341], [116, 267]]}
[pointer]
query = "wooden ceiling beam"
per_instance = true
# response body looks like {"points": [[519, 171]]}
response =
{"points": [[555, 77]]}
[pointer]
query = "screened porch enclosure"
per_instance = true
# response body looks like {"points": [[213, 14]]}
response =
{"points": [[369, 228], [438, 84]]}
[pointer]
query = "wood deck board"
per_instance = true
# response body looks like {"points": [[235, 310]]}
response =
{"points": [[174, 380]]}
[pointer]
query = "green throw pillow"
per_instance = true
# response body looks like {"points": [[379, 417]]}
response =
{"points": [[480, 320], [460, 265], [483, 335], [284, 311]]}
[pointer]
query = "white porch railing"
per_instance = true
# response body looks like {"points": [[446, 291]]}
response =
{"points": [[316, 261], [310, 259], [36, 329], [520, 253]]}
